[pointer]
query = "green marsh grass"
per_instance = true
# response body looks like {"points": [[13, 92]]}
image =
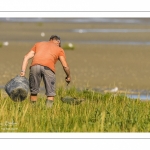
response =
{"points": [[68, 46], [98, 113]]}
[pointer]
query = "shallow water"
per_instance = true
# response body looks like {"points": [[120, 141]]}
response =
{"points": [[140, 96], [112, 42], [81, 20], [111, 30], [116, 21]]}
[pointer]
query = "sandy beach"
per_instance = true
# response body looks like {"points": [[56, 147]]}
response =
{"points": [[93, 65]]}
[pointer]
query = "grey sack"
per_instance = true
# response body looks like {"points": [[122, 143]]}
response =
{"points": [[17, 88]]}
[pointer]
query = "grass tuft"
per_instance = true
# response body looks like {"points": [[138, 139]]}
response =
{"points": [[68, 46]]}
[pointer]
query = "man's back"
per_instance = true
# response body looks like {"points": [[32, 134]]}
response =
{"points": [[46, 54]]}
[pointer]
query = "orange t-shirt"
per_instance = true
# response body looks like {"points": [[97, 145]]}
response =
{"points": [[46, 54]]}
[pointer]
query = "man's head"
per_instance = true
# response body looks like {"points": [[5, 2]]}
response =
{"points": [[55, 39]]}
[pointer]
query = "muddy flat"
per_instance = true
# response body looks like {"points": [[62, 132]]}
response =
{"points": [[99, 60]]}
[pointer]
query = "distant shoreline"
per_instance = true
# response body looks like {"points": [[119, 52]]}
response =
{"points": [[79, 20]]}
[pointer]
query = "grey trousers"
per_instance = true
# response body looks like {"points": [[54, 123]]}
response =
{"points": [[37, 73]]}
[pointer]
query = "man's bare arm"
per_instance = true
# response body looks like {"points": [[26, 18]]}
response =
{"points": [[25, 62], [66, 68]]}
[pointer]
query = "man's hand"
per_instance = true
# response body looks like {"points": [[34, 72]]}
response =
{"points": [[22, 73], [68, 79]]}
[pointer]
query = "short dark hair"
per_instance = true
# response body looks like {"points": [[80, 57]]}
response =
{"points": [[55, 37]]}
